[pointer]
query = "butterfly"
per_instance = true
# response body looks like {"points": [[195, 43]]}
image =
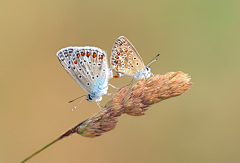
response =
{"points": [[89, 68], [126, 61]]}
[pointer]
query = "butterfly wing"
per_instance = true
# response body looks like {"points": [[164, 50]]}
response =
{"points": [[125, 58], [87, 66]]}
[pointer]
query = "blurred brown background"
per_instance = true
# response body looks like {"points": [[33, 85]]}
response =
{"points": [[201, 38]]}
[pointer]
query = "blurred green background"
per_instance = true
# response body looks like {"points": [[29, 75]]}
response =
{"points": [[201, 38]]}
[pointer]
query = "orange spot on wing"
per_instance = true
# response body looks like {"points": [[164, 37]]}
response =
{"points": [[117, 67], [116, 62], [78, 56], [117, 57], [118, 53], [73, 67], [75, 62], [115, 76], [88, 54], [94, 55], [82, 54], [101, 57], [126, 50]]}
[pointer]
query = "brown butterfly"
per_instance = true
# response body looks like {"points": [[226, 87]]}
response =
{"points": [[126, 61]]}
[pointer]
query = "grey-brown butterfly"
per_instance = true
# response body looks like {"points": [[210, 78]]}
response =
{"points": [[89, 68]]}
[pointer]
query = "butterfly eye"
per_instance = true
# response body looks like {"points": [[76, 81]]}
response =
{"points": [[90, 97], [149, 68]]}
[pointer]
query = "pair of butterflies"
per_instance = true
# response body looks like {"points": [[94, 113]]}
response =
{"points": [[89, 68]]}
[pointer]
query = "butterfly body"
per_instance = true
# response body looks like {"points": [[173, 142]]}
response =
{"points": [[126, 61], [88, 67], [145, 73]]}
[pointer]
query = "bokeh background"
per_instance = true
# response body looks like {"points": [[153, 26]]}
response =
{"points": [[201, 38]]}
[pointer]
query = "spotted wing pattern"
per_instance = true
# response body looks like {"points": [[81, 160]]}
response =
{"points": [[87, 66], [125, 58]]}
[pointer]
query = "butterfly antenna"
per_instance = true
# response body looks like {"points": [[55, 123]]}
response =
{"points": [[78, 104], [76, 98], [154, 59]]}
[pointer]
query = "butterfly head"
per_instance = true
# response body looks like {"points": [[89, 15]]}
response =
{"points": [[147, 72], [91, 97]]}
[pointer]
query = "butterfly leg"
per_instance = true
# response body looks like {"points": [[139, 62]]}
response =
{"points": [[99, 105], [131, 83], [113, 86], [108, 94], [145, 77]]}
